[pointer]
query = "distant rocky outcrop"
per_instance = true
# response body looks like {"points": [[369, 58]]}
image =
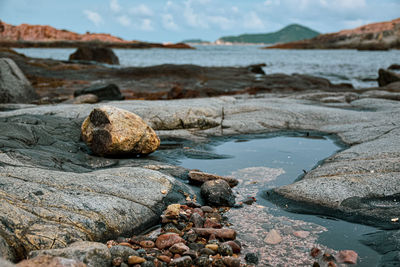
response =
{"points": [[98, 54], [290, 33], [26, 35], [375, 36]]}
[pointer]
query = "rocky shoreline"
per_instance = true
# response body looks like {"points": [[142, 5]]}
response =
{"points": [[54, 191]]}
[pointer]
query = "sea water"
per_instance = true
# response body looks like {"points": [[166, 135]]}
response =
{"points": [[359, 68]]}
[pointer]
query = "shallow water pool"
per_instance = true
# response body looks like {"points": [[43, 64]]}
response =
{"points": [[264, 162]]}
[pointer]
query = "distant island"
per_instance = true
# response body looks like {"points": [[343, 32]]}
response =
{"points": [[195, 41], [26, 35], [290, 33], [375, 36]]}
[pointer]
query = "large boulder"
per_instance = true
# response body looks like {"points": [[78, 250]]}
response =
{"points": [[98, 54], [14, 86], [386, 77], [112, 131], [102, 91]]}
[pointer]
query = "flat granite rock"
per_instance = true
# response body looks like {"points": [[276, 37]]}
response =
{"points": [[359, 183]]}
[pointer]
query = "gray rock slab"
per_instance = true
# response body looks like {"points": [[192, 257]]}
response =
{"points": [[14, 86], [93, 254], [359, 183]]}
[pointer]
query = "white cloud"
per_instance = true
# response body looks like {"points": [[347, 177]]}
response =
{"points": [[114, 6], [146, 25], [350, 24], [142, 10], [347, 4], [169, 23], [124, 20], [235, 9], [223, 22], [193, 19], [253, 21], [93, 17]]}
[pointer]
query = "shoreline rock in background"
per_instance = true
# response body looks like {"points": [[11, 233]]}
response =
{"points": [[387, 77], [111, 131], [102, 91], [14, 86], [98, 54]]}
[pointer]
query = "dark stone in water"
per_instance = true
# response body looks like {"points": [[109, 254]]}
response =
{"points": [[251, 258], [218, 193], [102, 91]]}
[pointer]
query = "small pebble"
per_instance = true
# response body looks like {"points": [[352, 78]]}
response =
{"points": [[135, 260], [251, 258], [273, 237], [147, 244], [213, 247], [164, 258]]}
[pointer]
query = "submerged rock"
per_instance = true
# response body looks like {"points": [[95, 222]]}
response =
{"points": [[347, 256], [218, 193], [14, 86], [273, 237], [102, 91], [99, 54], [111, 131]]}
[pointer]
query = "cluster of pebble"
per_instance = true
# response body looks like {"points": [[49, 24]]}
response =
{"points": [[191, 235]]}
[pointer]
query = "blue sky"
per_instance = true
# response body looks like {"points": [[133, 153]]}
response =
{"points": [[175, 20]]}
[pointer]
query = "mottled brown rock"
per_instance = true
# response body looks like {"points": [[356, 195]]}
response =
{"points": [[236, 248], [347, 256], [111, 131], [147, 244], [231, 261], [179, 248], [201, 177], [167, 240], [50, 261], [301, 234], [135, 260], [220, 233]]}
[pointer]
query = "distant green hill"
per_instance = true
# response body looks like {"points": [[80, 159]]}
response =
{"points": [[195, 41], [290, 33]]}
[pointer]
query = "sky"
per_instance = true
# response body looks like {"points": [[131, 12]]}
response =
{"points": [[177, 20]]}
